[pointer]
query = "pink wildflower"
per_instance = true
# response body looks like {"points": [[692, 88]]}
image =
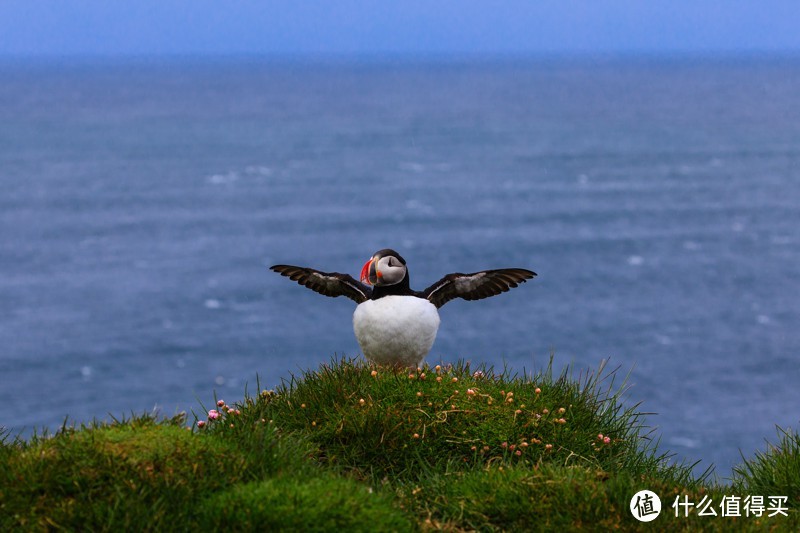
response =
{"points": [[213, 414]]}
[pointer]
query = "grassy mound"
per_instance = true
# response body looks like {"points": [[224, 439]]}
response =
{"points": [[126, 474], [356, 447], [378, 422]]}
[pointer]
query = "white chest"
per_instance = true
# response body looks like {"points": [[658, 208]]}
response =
{"points": [[396, 330]]}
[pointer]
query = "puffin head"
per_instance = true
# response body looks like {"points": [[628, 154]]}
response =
{"points": [[385, 267]]}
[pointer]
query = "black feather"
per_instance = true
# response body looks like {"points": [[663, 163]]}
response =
{"points": [[475, 286], [331, 284]]}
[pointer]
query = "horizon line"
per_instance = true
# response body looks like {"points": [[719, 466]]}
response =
{"points": [[410, 57]]}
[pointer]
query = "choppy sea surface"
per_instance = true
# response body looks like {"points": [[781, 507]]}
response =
{"points": [[141, 203]]}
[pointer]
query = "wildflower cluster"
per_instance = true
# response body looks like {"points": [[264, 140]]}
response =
{"points": [[224, 412], [601, 442], [469, 413]]}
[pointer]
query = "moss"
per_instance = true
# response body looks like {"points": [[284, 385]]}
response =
{"points": [[323, 503]]}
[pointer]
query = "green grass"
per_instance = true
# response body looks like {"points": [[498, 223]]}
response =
{"points": [[404, 424], [123, 475], [776, 471], [354, 447], [319, 503]]}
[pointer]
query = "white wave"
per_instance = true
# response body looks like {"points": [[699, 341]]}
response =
{"points": [[420, 207], [781, 240], [413, 167], [258, 170], [685, 442], [223, 179], [663, 340]]}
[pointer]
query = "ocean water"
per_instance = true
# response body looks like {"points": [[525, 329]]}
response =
{"points": [[141, 203]]}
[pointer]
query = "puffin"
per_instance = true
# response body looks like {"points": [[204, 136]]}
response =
{"points": [[394, 324]]}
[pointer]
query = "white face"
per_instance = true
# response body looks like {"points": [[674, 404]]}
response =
{"points": [[389, 270]]}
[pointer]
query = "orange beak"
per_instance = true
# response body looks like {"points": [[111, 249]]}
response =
{"points": [[369, 274]]}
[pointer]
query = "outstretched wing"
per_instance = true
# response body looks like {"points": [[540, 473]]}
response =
{"points": [[475, 286], [330, 284]]}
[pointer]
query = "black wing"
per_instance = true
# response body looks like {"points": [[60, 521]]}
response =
{"points": [[330, 284], [475, 286]]}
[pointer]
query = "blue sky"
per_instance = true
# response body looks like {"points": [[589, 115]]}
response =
{"points": [[411, 27]]}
